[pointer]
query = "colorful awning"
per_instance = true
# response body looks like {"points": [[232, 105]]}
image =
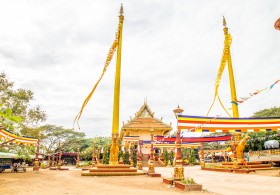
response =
{"points": [[185, 140], [9, 136], [217, 124], [194, 139]]}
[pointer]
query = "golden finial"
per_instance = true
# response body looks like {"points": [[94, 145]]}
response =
{"points": [[121, 10], [145, 100], [224, 22]]}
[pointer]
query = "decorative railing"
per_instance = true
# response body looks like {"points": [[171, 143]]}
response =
{"points": [[162, 163]]}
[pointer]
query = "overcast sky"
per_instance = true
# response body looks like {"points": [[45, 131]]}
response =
{"points": [[171, 54]]}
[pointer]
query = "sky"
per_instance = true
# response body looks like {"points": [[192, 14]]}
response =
{"points": [[171, 53]]}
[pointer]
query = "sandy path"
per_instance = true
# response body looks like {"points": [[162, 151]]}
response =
{"points": [[71, 182]]}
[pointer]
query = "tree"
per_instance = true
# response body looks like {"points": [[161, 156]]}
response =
{"points": [[8, 120], [18, 100], [189, 155], [106, 154], [126, 157], [52, 137], [269, 112], [134, 156], [86, 145], [256, 141], [171, 157], [165, 156], [86, 154]]}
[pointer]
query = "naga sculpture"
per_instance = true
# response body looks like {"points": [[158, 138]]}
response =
{"points": [[240, 148]]}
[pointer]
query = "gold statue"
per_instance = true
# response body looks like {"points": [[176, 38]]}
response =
{"points": [[240, 148]]}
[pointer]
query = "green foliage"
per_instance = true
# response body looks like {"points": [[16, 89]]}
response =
{"points": [[105, 159], [42, 165], [188, 181], [216, 145], [256, 141], [134, 156], [7, 119], [86, 163], [269, 112], [52, 137], [126, 158], [121, 154], [102, 141], [86, 154], [18, 100], [189, 155], [166, 156], [23, 152], [171, 157]]}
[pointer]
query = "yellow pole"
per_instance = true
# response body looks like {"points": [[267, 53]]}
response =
{"points": [[231, 77], [114, 149], [115, 128]]}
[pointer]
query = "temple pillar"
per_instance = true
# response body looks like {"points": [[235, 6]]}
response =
{"points": [[151, 163], [178, 169], [139, 162]]}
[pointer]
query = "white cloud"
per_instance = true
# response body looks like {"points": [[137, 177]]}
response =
{"points": [[171, 54]]}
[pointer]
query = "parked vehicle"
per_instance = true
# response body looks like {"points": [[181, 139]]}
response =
{"points": [[3, 167]]}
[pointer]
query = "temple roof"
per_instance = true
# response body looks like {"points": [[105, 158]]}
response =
{"points": [[144, 120]]}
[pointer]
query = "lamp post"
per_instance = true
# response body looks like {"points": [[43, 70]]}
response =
{"points": [[178, 169], [36, 162]]}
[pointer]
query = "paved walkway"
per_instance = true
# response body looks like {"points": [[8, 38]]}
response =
{"points": [[229, 183]]}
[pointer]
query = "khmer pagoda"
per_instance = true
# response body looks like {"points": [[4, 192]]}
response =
{"points": [[139, 127]]}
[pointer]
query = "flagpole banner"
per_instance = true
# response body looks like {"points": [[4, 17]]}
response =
{"points": [[220, 124]]}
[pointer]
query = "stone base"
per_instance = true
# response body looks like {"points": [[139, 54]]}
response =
{"points": [[248, 165], [112, 170], [154, 175], [63, 169], [112, 173], [242, 168], [188, 187], [168, 181]]}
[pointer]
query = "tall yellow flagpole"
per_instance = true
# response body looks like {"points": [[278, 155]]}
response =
{"points": [[114, 150], [226, 59], [231, 77]]}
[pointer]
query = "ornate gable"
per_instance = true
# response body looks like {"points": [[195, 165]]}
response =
{"points": [[145, 112]]}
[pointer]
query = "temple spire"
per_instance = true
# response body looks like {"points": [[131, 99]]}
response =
{"points": [[121, 10]]}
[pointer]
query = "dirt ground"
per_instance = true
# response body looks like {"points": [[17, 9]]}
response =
{"points": [[71, 182]]}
